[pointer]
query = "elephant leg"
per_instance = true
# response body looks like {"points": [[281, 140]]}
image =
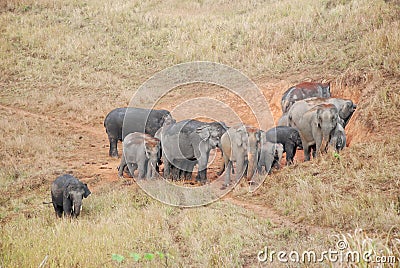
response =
{"points": [[167, 168], [240, 169], [189, 170], [307, 150], [67, 207], [290, 153], [142, 169], [121, 167], [227, 175], [113, 147], [58, 209], [314, 151], [175, 173], [202, 164]]}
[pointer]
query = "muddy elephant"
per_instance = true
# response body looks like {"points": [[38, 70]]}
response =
{"points": [[303, 91], [345, 107], [187, 143], [240, 144], [338, 139], [316, 127], [142, 152], [269, 153], [136, 120], [67, 193], [289, 137]]}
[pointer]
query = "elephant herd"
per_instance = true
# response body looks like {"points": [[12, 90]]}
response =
{"points": [[311, 120]]}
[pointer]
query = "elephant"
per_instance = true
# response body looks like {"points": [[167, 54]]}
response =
{"points": [[141, 151], [187, 143], [289, 137], [303, 91], [283, 120], [67, 193], [136, 120], [240, 144], [338, 139], [269, 154], [345, 107], [316, 127]]}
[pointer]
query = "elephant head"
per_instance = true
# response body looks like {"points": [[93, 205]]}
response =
{"points": [[75, 192], [346, 111], [210, 133], [338, 139], [327, 119], [249, 138], [324, 90]]}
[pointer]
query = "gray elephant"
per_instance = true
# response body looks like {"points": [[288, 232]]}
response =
{"points": [[269, 154], [140, 151], [240, 144], [345, 107], [316, 127], [67, 193], [283, 120], [287, 136], [136, 120], [338, 139], [303, 91], [187, 143]]}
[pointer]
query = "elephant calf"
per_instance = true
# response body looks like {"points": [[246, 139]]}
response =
{"points": [[67, 193], [269, 153], [240, 144], [140, 151], [287, 136]]}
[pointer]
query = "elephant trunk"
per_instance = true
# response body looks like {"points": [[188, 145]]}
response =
{"points": [[252, 158], [325, 142], [151, 168], [77, 208]]}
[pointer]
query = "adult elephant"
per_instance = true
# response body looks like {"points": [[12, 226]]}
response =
{"points": [[289, 137], [345, 107], [136, 120], [316, 127], [303, 91], [67, 193], [240, 144], [189, 142]]}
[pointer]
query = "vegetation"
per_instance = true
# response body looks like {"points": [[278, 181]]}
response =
{"points": [[65, 64]]}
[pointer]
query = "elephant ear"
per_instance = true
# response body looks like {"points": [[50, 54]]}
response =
{"points": [[203, 132], [319, 118], [68, 189]]}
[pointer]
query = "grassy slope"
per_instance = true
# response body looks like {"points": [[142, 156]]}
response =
{"points": [[78, 59]]}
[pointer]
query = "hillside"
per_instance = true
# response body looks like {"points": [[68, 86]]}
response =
{"points": [[65, 64]]}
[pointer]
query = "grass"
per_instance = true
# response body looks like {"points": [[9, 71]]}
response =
{"points": [[65, 64]]}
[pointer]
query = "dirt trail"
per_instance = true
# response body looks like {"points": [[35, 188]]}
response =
{"points": [[94, 166]]}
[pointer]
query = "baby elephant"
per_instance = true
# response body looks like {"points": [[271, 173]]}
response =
{"points": [[269, 154], [140, 151], [67, 193]]}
